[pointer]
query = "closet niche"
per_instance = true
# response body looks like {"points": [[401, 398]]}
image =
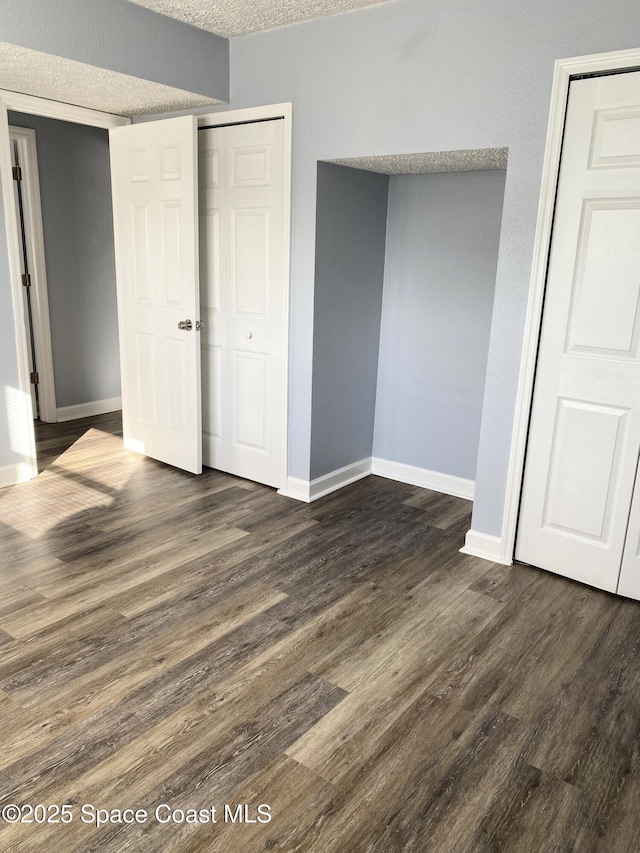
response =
{"points": [[406, 257]]}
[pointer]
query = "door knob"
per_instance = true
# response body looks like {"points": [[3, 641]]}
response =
{"points": [[249, 335], [186, 325]]}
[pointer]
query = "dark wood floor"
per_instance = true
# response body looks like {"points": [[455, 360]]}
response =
{"points": [[200, 641]]}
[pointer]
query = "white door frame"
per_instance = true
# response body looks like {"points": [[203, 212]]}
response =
{"points": [[25, 137], [22, 408], [565, 69], [284, 112]]}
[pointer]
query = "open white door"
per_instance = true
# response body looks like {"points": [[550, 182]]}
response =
{"points": [[155, 203]]}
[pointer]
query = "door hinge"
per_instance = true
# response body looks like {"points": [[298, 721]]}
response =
{"points": [[35, 379], [26, 280], [17, 173]]}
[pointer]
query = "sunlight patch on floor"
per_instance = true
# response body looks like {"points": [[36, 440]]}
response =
{"points": [[71, 485]]}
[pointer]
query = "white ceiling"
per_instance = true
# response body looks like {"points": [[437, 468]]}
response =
{"points": [[470, 160], [33, 73], [238, 17]]}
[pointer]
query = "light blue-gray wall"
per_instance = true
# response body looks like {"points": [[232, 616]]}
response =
{"points": [[75, 189], [350, 249], [122, 37], [440, 271], [412, 76]]}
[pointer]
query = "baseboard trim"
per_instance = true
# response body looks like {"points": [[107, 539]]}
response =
{"points": [[486, 546], [296, 489], [339, 478], [308, 491], [18, 472], [88, 410], [414, 476]]}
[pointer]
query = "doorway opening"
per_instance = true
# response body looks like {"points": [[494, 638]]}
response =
{"points": [[63, 205], [23, 404]]}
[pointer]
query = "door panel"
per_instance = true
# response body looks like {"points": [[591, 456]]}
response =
{"points": [[584, 435], [154, 179], [242, 296]]}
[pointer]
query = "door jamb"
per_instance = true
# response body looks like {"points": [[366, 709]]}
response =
{"points": [[22, 410], [264, 113], [564, 70], [34, 240]]}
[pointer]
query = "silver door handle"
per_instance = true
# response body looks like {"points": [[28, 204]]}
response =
{"points": [[185, 325]]}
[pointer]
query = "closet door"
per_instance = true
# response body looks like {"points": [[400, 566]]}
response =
{"points": [[155, 187], [584, 434], [242, 298]]}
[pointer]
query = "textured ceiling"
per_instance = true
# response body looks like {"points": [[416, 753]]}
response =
{"points": [[473, 160], [239, 17], [33, 73]]}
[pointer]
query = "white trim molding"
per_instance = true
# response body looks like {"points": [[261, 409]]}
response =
{"points": [[447, 484], [88, 410], [313, 490], [33, 238], [565, 69], [11, 475], [22, 413], [296, 489], [486, 546], [339, 478], [22, 103]]}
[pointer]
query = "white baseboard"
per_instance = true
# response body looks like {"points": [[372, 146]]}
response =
{"points": [[296, 489], [87, 410], [312, 490], [486, 546], [307, 491], [445, 483], [339, 478], [18, 472]]}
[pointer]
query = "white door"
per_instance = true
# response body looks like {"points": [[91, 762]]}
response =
{"points": [[242, 216], [26, 295], [584, 435], [154, 182]]}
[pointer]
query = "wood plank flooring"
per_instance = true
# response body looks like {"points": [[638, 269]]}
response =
{"points": [[201, 642]]}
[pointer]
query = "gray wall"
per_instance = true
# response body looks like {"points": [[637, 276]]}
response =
{"points": [[350, 247], [122, 37], [413, 76], [75, 188], [442, 250]]}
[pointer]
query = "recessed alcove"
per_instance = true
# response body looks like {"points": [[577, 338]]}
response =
{"points": [[406, 257]]}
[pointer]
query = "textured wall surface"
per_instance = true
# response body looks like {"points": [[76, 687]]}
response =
{"points": [[412, 76], [75, 188], [442, 250], [350, 248]]}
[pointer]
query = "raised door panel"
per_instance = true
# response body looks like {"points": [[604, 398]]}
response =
{"points": [[243, 264], [154, 181], [584, 434]]}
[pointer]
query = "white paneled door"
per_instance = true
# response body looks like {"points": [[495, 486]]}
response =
{"points": [[155, 189], [242, 269], [584, 436]]}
